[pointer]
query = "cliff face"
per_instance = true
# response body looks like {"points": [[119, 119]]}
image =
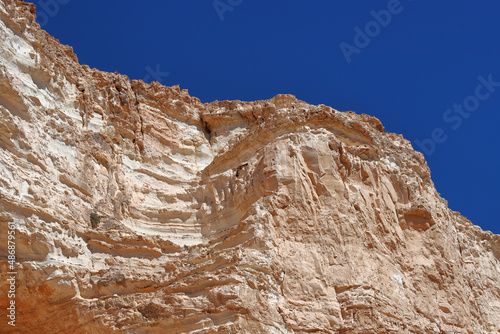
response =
{"points": [[139, 209]]}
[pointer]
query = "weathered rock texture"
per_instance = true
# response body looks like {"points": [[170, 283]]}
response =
{"points": [[140, 209]]}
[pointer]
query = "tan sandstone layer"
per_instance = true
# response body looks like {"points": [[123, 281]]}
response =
{"points": [[139, 209]]}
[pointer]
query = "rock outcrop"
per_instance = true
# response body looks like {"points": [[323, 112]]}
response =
{"points": [[139, 209]]}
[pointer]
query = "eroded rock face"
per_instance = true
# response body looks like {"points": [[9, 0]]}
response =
{"points": [[139, 209]]}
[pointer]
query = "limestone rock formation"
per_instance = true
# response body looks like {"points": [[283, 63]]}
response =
{"points": [[139, 209]]}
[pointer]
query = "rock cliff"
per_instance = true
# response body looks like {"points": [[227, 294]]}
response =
{"points": [[139, 209]]}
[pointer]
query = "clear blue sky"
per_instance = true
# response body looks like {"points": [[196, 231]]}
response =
{"points": [[422, 68]]}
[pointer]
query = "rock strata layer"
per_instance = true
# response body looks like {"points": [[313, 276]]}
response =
{"points": [[139, 209]]}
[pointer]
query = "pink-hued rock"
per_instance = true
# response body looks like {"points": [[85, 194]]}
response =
{"points": [[139, 209]]}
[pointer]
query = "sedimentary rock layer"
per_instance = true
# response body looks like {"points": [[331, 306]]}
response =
{"points": [[139, 209]]}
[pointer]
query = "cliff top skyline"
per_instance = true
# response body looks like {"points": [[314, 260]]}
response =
{"points": [[132, 207], [410, 64]]}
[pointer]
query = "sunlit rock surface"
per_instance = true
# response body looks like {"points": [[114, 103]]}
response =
{"points": [[140, 209]]}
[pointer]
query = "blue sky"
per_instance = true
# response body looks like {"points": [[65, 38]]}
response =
{"points": [[429, 70]]}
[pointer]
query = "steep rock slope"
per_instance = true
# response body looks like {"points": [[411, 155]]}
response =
{"points": [[139, 209]]}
